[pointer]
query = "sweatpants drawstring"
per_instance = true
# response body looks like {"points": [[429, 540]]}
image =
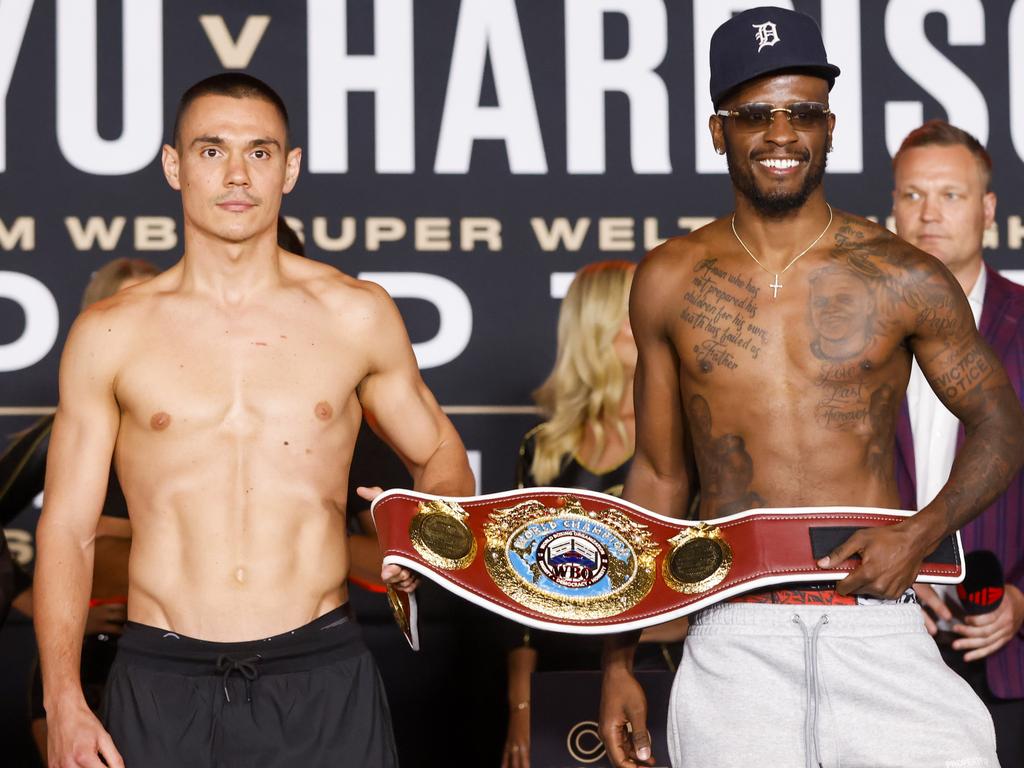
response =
{"points": [[812, 741]]}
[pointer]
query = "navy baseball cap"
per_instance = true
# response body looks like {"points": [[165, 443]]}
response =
{"points": [[765, 40]]}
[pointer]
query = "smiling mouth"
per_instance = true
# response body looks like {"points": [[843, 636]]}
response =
{"points": [[779, 163]]}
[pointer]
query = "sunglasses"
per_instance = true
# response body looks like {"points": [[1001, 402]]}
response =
{"points": [[803, 115]]}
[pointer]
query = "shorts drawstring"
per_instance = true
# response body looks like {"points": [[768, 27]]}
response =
{"points": [[246, 667], [812, 742]]}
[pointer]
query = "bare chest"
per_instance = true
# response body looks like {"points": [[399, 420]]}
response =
{"points": [[237, 377], [812, 342]]}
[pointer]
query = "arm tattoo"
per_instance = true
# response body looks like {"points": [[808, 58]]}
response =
{"points": [[917, 299], [994, 449], [965, 374]]}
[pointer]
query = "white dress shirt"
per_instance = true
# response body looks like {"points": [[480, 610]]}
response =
{"points": [[933, 426]]}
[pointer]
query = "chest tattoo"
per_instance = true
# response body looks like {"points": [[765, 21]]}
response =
{"points": [[723, 307]]}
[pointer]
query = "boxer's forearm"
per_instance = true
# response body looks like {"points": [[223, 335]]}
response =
{"points": [[61, 599], [619, 650], [990, 457], [23, 601], [522, 662], [664, 494], [446, 472], [364, 557]]}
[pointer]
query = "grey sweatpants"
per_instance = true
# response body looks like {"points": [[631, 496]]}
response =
{"points": [[836, 686]]}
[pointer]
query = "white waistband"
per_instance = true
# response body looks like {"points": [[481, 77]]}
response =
{"points": [[849, 620]]}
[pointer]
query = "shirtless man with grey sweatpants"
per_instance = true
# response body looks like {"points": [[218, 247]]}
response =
{"points": [[774, 347]]}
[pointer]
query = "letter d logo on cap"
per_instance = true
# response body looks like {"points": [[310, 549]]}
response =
{"points": [[767, 35]]}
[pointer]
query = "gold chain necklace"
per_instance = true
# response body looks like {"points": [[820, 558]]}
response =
{"points": [[776, 285]]}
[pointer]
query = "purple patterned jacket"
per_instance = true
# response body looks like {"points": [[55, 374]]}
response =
{"points": [[1000, 528]]}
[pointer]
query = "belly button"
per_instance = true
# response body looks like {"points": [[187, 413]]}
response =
{"points": [[240, 575]]}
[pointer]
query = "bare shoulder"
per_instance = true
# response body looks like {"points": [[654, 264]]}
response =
{"points": [[875, 251], [909, 278], [667, 266], [107, 328], [665, 273], [355, 304]]}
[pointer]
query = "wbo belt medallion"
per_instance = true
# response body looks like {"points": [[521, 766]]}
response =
{"points": [[439, 533], [568, 562], [699, 559]]}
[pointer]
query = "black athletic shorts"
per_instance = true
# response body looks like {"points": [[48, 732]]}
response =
{"points": [[311, 697]]}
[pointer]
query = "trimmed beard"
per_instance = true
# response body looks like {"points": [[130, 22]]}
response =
{"points": [[774, 205]]}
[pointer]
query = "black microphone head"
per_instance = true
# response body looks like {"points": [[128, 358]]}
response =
{"points": [[983, 586]]}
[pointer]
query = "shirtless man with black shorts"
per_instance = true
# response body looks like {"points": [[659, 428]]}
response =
{"points": [[774, 348], [229, 391]]}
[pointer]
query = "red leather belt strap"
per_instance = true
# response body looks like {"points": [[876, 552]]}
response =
{"points": [[588, 563]]}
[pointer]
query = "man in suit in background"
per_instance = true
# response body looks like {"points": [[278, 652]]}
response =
{"points": [[943, 204]]}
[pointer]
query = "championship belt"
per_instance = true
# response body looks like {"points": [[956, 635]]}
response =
{"points": [[587, 563]]}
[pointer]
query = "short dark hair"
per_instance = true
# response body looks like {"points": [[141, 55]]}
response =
{"points": [[939, 133], [237, 85]]}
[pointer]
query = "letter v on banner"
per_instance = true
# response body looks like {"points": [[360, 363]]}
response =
{"points": [[234, 53]]}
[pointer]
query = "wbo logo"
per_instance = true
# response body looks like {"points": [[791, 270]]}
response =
{"points": [[565, 554], [567, 561], [767, 35], [572, 559]]}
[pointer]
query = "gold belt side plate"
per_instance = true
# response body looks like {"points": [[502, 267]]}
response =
{"points": [[439, 533], [398, 610], [699, 560]]}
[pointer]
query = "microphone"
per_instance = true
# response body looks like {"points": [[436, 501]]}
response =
{"points": [[983, 587]]}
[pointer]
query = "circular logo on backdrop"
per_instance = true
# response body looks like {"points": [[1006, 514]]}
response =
{"points": [[570, 562], [583, 742]]}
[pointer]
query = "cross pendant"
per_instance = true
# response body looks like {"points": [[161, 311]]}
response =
{"points": [[775, 286]]}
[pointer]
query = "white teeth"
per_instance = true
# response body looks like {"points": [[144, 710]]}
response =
{"points": [[781, 164]]}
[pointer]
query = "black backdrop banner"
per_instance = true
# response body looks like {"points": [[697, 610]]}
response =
{"points": [[466, 154]]}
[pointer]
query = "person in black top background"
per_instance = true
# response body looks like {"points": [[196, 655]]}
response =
{"points": [[586, 442]]}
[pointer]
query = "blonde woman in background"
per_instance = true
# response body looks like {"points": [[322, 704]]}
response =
{"points": [[115, 276], [586, 442], [587, 400]]}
